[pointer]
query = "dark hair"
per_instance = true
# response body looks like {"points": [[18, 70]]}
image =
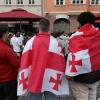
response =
{"points": [[70, 34], [57, 34], [2, 31], [44, 25], [86, 17], [16, 31]]}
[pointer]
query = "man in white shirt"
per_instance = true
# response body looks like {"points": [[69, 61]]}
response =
{"points": [[17, 43]]}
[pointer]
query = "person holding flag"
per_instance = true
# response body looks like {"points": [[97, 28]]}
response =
{"points": [[42, 67], [83, 63]]}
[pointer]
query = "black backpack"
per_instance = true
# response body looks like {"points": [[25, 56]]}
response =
{"points": [[88, 78]]}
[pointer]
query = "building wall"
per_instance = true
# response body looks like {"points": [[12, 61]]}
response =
{"points": [[33, 8], [69, 9], [49, 6]]}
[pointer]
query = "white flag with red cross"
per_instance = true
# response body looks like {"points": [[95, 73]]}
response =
{"points": [[84, 49], [78, 63], [42, 67]]}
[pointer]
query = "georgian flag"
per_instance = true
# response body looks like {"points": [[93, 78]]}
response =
{"points": [[42, 67], [84, 51]]}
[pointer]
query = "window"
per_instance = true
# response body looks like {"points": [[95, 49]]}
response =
{"points": [[59, 2], [77, 2], [19, 1], [7, 1], [95, 2], [31, 1]]}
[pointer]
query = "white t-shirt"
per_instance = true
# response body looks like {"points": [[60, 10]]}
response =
{"points": [[21, 38], [16, 42], [63, 41]]}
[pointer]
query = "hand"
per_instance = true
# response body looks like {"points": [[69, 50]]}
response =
{"points": [[70, 78], [18, 54]]}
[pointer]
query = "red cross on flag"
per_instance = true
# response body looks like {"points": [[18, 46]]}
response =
{"points": [[78, 63], [73, 63], [56, 81], [84, 49], [23, 80]]}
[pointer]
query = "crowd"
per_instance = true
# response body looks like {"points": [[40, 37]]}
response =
{"points": [[30, 66]]}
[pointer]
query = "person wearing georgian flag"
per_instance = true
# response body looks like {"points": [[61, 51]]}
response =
{"points": [[42, 67], [83, 63]]}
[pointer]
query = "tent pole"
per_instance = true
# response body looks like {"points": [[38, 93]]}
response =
{"points": [[20, 26], [8, 28]]}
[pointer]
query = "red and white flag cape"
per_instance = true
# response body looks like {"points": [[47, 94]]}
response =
{"points": [[42, 67], [84, 51]]}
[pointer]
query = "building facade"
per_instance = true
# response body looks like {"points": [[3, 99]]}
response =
{"points": [[64, 12], [33, 6]]}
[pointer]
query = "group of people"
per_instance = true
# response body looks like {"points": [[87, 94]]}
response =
{"points": [[17, 43], [50, 61]]}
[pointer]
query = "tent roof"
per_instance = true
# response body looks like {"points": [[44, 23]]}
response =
{"points": [[97, 15], [19, 14]]}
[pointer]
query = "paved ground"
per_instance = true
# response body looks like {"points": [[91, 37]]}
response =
{"points": [[98, 91], [71, 98], [59, 98]]}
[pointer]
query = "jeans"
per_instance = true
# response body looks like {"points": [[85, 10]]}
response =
{"points": [[8, 90], [38, 96]]}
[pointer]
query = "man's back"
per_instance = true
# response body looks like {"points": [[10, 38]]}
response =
{"points": [[16, 42]]}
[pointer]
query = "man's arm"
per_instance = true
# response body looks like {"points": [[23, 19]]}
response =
{"points": [[20, 43], [12, 58]]}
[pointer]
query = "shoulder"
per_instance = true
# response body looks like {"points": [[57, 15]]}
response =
{"points": [[28, 45], [7, 48], [13, 38], [53, 38], [30, 41]]}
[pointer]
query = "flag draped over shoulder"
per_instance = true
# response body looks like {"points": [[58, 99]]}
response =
{"points": [[84, 51], [42, 67]]}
